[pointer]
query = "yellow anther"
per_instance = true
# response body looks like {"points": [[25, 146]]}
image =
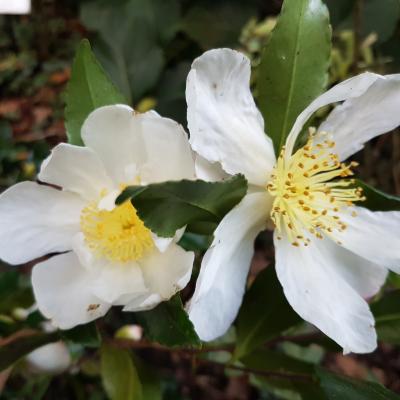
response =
{"points": [[307, 193], [118, 235]]}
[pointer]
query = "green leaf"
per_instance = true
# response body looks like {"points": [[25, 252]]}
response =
{"points": [[268, 360], [119, 375], [20, 347], [294, 64], [168, 206], [224, 20], [377, 16], [169, 325], [338, 387], [285, 373], [150, 380], [378, 200], [86, 335], [264, 315], [14, 292], [130, 39], [387, 317], [88, 89], [339, 10]]}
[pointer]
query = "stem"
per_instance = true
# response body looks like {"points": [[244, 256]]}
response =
{"points": [[265, 373], [132, 344]]}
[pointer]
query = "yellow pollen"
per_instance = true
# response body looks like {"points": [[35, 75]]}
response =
{"points": [[311, 189], [118, 235]]}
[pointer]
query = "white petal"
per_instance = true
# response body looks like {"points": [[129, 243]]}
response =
{"points": [[112, 282], [224, 123], [221, 283], [320, 295], [60, 285], [76, 169], [167, 150], [113, 133], [36, 220], [166, 273], [162, 243], [53, 358], [361, 118], [374, 236], [117, 280], [364, 276], [348, 89], [210, 172], [143, 303], [138, 148]]}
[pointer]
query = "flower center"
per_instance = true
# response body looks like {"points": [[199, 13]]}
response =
{"points": [[311, 190], [118, 235]]}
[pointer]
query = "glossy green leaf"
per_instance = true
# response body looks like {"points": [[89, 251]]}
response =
{"points": [[273, 361], [88, 89], [377, 16], [119, 374], [387, 317], [293, 69], [14, 292], [86, 335], [277, 371], [20, 347], [169, 324], [378, 200], [151, 384], [130, 38], [338, 387], [339, 10], [264, 315], [168, 206], [224, 20]]}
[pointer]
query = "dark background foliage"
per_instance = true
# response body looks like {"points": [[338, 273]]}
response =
{"points": [[146, 47]]}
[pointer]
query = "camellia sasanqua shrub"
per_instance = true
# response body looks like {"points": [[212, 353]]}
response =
{"points": [[141, 233]]}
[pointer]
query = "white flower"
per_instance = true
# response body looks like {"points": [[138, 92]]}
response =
{"points": [[330, 254], [53, 358], [115, 259], [15, 6]]}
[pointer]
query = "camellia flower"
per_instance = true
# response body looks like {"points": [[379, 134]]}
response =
{"points": [[331, 253], [108, 255]]}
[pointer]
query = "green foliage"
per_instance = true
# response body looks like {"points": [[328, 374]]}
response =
{"points": [[130, 39], [169, 325], [294, 65], [279, 372], [376, 200], [264, 315], [21, 346], [336, 387], [224, 20], [387, 317], [88, 89], [86, 335], [14, 291], [377, 16], [119, 374], [168, 206]]}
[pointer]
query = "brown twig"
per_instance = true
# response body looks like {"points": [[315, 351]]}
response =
{"points": [[132, 344], [265, 373]]}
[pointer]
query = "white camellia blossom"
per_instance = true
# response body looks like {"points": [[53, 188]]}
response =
{"points": [[15, 6], [53, 358], [330, 254], [108, 256]]}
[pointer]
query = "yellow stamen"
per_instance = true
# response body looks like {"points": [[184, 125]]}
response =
{"points": [[118, 235], [311, 190]]}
